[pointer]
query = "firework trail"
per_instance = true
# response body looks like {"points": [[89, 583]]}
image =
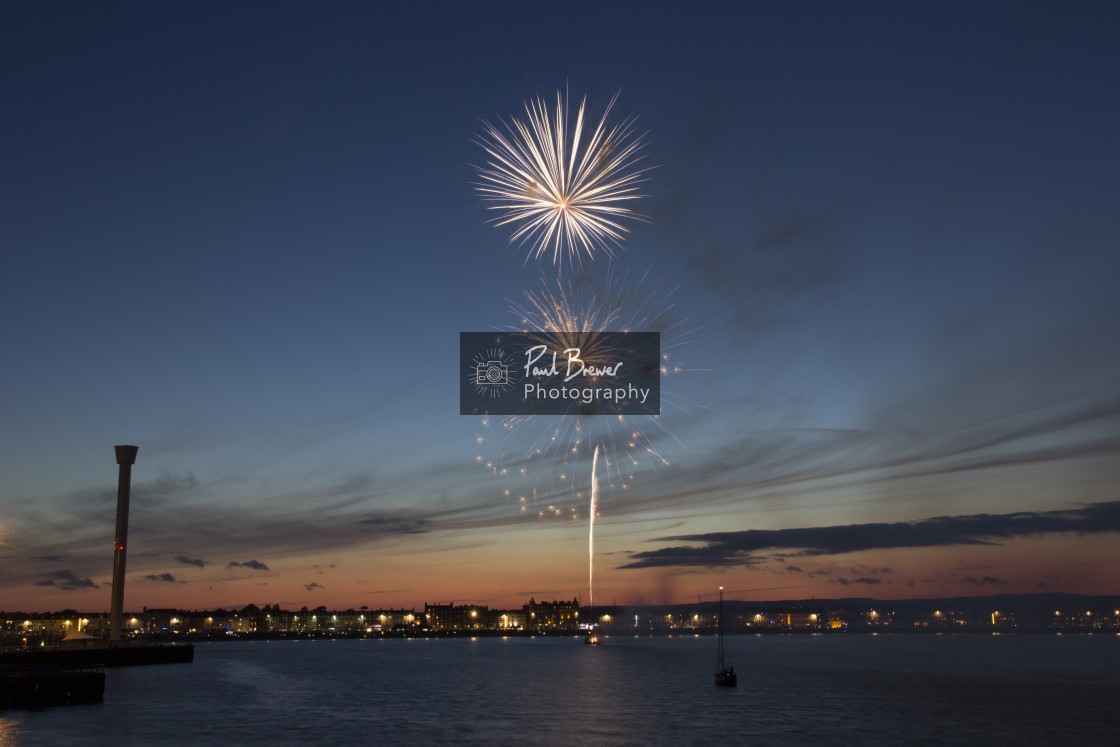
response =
{"points": [[564, 194], [591, 530]]}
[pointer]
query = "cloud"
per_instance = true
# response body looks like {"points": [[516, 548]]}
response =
{"points": [[152, 493], [165, 487], [191, 561], [161, 577], [861, 580], [391, 525], [355, 484], [765, 465], [985, 581], [737, 477], [254, 564], [286, 527], [313, 585], [738, 548], [66, 581]]}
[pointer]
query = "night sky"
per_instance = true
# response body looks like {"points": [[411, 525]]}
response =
{"points": [[883, 238]]}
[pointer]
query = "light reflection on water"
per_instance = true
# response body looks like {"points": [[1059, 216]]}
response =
{"points": [[835, 689]]}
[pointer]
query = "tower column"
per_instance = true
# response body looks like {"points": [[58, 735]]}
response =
{"points": [[126, 457]]}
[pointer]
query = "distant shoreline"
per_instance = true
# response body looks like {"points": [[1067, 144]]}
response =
{"points": [[341, 636]]}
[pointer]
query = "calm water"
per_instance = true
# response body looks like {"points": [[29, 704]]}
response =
{"points": [[792, 689]]}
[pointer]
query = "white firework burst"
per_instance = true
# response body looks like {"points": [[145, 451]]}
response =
{"points": [[564, 192]]}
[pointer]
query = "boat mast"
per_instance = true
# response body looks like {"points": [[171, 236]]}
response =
{"points": [[721, 667]]}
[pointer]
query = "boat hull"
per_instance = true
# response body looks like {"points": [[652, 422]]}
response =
{"points": [[726, 678]]}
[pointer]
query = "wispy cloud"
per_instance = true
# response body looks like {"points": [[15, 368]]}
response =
{"points": [[737, 477], [164, 487], [161, 577], [738, 548], [152, 492], [761, 465], [397, 526]]}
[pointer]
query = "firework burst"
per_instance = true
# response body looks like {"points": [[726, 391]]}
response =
{"points": [[541, 456], [564, 192]]}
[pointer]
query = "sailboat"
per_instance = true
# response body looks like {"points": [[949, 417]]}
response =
{"points": [[725, 675]]}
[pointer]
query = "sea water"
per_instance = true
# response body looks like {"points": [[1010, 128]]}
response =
{"points": [[793, 689]]}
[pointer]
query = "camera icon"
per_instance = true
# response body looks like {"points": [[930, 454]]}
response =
{"points": [[492, 372]]}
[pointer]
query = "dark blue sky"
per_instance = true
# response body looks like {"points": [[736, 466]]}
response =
{"points": [[243, 236]]}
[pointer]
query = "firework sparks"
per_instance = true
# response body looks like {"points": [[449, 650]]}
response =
{"points": [[565, 193], [572, 315], [539, 456]]}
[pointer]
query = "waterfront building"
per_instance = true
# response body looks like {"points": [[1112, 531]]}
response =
{"points": [[546, 616], [456, 617]]}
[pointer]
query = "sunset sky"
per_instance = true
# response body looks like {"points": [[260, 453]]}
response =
{"points": [[882, 237]]}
